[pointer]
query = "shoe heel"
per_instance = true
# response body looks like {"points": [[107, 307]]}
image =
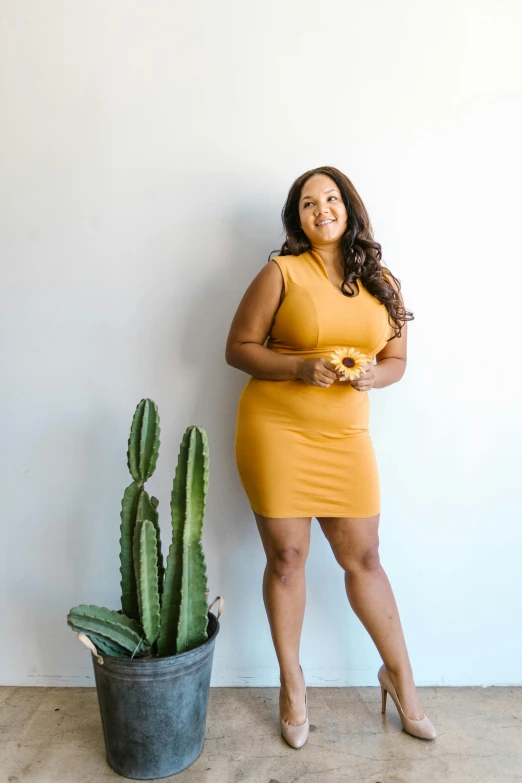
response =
{"points": [[384, 693], [422, 728]]}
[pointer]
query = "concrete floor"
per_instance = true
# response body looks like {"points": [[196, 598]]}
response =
{"points": [[54, 735]]}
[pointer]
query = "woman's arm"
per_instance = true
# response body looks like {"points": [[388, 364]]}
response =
{"points": [[391, 361], [251, 326], [389, 370]]}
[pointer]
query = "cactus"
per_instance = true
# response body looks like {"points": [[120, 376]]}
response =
{"points": [[147, 509], [103, 643], [146, 570], [129, 510], [144, 442], [184, 614], [164, 611], [142, 455], [112, 625]]}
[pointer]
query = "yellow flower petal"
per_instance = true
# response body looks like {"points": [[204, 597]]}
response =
{"points": [[359, 358]]}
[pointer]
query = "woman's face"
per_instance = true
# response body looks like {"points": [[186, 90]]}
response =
{"points": [[322, 213]]}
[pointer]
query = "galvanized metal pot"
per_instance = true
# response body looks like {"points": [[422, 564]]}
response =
{"points": [[154, 710]]}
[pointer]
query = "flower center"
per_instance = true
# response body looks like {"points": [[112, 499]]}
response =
{"points": [[348, 362]]}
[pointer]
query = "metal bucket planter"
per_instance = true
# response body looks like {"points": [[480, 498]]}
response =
{"points": [[154, 710], [153, 703]]}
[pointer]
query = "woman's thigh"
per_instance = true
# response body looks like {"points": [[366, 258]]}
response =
{"points": [[285, 538], [354, 540]]}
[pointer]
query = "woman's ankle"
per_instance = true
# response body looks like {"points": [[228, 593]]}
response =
{"points": [[291, 678]]}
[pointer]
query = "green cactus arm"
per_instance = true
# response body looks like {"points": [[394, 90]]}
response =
{"points": [[146, 570], [147, 510], [144, 442], [129, 509], [103, 644], [133, 450], [150, 441], [108, 647], [171, 599], [114, 626], [193, 620], [193, 615]]}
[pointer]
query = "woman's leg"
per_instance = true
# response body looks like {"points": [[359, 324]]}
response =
{"points": [[355, 544], [286, 543]]}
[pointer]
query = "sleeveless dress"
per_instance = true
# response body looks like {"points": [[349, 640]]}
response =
{"points": [[303, 450]]}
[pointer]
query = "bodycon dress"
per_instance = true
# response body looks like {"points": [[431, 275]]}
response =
{"points": [[304, 450]]}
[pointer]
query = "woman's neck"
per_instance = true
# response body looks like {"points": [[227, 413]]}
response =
{"points": [[332, 257]]}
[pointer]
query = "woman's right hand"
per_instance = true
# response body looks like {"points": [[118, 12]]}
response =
{"points": [[317, 372]]}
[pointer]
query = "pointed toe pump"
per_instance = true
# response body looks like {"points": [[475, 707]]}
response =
{"points": [[296, 735], [422, 728]]}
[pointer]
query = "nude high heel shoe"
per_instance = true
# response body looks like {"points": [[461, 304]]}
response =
{"points": [[422, 728], [296, 734]]}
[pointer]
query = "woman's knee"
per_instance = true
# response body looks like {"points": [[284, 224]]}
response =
{"points": [[287, 561], [363, 560], [286, 543], [354, 541]]}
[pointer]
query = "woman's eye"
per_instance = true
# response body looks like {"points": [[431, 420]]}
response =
{"points": [[309, 202]]}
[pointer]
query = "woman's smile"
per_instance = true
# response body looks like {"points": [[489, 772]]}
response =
{"points": [[322, 211]]}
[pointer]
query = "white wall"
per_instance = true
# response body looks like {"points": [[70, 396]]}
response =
{"points": [[147, 149]]}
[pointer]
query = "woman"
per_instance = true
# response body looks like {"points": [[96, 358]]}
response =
{"points": [[303, 447]]}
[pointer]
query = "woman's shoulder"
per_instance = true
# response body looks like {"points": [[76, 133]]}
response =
{"points": [[287, 259], [295, 269], [288, 264]]}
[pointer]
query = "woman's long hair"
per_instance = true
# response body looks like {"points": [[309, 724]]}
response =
{"points": [[361, 253]]}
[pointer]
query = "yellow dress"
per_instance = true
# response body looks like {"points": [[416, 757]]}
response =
{"points": [[303, 450]]}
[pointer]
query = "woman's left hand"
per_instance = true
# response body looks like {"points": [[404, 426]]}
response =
{"points": [[366, 379]]}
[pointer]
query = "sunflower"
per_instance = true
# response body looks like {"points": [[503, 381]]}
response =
{"points": [[349, 362]]}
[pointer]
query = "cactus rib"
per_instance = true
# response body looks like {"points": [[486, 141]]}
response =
{"points": [[147, 510], [146, 569], [192, 628], [113, 625], [144, 442], [103, 644], [129, 509], [184, 615]]}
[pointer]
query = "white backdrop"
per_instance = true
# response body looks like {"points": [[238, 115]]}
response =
{"points": [[146, 151]]}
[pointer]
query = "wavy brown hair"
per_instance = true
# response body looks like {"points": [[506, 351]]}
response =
{"points": [[361, 254]]}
